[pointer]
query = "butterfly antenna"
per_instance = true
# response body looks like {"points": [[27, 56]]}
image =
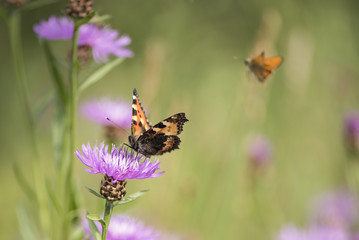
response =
{"points": [[116, 125]]}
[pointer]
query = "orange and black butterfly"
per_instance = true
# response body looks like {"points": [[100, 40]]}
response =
{"points": [[158, 139], [263, 67]]}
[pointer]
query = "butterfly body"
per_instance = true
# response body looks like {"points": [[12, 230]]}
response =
{"points": [[263, 67], [158, 139]]}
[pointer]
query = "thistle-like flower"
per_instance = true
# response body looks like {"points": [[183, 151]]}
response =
{"points": [[334, 209], [103, 40], [118, 111], [260, 152], [117, 166], [291, 232], [123, 227]]}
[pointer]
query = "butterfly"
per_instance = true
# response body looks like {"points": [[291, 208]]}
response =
{"points": [[263, 67], [158, 139]]}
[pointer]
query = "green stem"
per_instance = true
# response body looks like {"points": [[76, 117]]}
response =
{"points": [[69, 139], [107, 218], [14, 23]]}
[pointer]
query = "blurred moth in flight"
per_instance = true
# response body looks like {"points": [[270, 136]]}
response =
{"points": [[262, 67], [156, 140]]}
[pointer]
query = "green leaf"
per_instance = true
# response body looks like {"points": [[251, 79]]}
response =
{"points": [[84, 20], [94, 192], [93, 228], [94, 217], [53, 198], [42, 104], [100, 19], [131, 197], [26, 224], [36, 4], [100, 73], [56, 75], [24, 183], [59, 131]]}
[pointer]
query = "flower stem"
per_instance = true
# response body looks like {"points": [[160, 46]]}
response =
{"points": [[67, 164], [107, 218]]}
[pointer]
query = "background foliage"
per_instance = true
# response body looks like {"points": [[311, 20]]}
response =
{"points": [[189, 57]]}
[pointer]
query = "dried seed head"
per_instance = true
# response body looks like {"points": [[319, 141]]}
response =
{"points": [[79, 8], [112, 191], [84, 54]]}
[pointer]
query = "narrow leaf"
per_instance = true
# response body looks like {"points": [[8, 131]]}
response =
{"points": [[100, 73], [93, 228], [58, 131], [26, 224], [56, 75], [53, 198], [94, 217], [131, 197], [42, 104], [85, 20], [100, 19], [24, 183], [94, 192]]}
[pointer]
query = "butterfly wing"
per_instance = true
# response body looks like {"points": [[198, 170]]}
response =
{"points": [[139, 123], [163, 137], [272, 63], [263, 67]]}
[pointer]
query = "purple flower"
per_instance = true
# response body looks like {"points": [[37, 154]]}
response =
{"points": [[335, 209], [351, 128], [117, 110], [123, 227], [103, 41], [291, 232], [260, 151], [120, 163]]}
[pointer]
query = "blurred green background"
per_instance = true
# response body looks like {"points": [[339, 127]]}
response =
{"points": [[189, 58]]}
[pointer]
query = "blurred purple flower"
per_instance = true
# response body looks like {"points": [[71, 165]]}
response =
{"points": [[260, 151], [117, 110], [119, 163], [103, 41], [335, 209], [123, 227], [291, 232], [351, 128]]}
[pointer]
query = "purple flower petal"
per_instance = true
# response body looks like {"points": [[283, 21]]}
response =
{"points": [[103, 41], [117, 110], [260, 151], [119, 163], [123, 227]]}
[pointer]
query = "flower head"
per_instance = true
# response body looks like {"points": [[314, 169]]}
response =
{"points": [[351, 128], [123, 227], [335, 209], [260, 151], [117, 110], [120, 164], [103, 41]]}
